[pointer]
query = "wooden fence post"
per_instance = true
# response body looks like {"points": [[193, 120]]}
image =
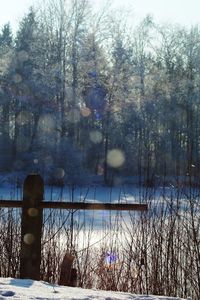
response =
{"points": [[66, 268], [31, 227]]}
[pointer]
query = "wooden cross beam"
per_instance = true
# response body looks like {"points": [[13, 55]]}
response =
{"points": [[32, 219], [78, 205]]}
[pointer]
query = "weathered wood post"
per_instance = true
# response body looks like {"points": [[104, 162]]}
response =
{"points": [[31, 227], [66, 267]]}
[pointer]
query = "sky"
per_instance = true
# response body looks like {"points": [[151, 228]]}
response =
{"points": [[184, 12]]}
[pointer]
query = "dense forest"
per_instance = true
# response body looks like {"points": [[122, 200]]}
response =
{"points": [[85, 93], [88, 97]]}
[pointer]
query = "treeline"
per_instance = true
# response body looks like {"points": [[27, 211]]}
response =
{"points": [[82, 93]]}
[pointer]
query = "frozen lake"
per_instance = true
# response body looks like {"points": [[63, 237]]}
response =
{"points": [[154, 197]]}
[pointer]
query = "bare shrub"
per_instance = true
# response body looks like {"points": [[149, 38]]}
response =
{"points": [[157, 252]]}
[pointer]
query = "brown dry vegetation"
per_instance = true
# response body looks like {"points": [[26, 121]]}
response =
{"points": [[158, 252]]}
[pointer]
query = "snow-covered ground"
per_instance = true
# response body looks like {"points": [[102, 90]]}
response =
{"points": [[24, 289]]}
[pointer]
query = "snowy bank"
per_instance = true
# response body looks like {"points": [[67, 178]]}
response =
{"points": [[28, 289]]}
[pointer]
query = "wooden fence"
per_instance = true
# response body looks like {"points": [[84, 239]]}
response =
{"points": [[32, 218]]}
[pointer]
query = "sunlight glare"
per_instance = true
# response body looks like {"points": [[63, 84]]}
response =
{"points": [[115, 158], [17, 78], [22, 56], [29, 238], [96, 136], [23, 118], [73, 116], [85, 112], [46, 123], [59, 173], [33, 212]]}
